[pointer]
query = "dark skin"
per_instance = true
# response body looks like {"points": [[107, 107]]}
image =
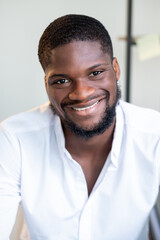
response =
{"points": [[79, 74]]}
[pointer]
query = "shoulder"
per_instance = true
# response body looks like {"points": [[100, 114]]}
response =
{"points": [[140, 119], [32, 120]]}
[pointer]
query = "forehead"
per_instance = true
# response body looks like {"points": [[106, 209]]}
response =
{"points": [[77, 54]]}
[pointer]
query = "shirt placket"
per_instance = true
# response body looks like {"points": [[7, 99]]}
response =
{"points": [[85, 223]]}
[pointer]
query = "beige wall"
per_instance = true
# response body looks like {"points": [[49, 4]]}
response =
{"points": [[146, 74], [22, 23]]}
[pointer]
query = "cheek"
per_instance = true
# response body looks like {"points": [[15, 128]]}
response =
{"points": [[53, 97], [57, 107], [108, 81], [109, 86], [56, 98]]}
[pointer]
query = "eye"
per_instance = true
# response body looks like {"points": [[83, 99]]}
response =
{"points": [[95, 73], [61, 81]]}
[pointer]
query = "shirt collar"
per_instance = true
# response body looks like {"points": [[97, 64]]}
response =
{"points": [[60, 138], [59, 134], [118, 134]]}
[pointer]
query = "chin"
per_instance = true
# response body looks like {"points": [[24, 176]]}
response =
{"points": [[88, 132]]}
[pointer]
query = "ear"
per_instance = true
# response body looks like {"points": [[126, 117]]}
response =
{"points": [[116, 68], [45, 80]]}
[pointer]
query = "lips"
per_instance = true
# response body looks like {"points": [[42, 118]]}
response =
{"points": [[84, 108]]}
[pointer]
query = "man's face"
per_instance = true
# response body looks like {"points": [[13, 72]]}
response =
{"points": [[81, 84]]}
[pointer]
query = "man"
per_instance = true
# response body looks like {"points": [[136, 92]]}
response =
{"points": [[86, 166]]}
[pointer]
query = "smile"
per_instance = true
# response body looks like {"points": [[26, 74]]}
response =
{"points": [[85, 108]]}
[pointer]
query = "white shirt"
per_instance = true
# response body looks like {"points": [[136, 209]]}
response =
{"points": [[36, 169]]}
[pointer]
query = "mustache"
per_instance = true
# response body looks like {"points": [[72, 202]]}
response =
{"points": [[68, 103]]}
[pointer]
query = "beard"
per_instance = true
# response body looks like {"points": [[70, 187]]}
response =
{"points": [[104, 123]]}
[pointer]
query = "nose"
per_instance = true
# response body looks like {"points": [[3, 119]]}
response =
{"points": [[81, 91]]}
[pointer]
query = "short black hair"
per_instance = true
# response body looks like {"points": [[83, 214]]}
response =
{"points": [[69, 28]]}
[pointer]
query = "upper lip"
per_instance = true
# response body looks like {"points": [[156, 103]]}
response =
{"points": [[86, 104]]}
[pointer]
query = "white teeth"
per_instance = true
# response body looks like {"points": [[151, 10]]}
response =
{"points": [[82, 109]]}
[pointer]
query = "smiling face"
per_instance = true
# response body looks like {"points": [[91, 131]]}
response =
{"points": [[81, 85]]}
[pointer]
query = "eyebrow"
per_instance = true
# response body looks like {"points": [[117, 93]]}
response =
{"points": [[58, 75], [97, 65]]}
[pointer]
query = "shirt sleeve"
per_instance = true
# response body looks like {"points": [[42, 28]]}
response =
{"points": [[10, 168]]}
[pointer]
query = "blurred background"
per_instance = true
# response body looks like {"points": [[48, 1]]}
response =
{"points": [[23, 22]]}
